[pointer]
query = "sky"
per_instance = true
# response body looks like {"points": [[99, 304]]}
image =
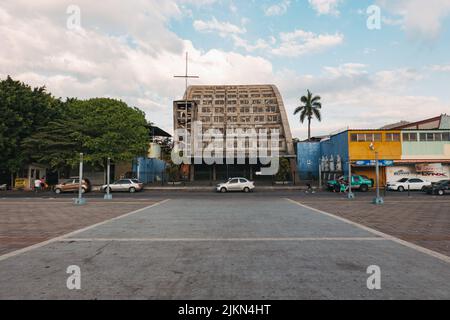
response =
{"points": [[368, 75]]}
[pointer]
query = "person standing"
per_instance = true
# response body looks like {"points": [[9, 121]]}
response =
{"points": [[37, 184]]}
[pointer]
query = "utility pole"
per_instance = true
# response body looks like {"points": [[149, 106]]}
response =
{"points": [[186, 77]]}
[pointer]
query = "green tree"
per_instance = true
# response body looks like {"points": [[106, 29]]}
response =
{"points": [[22, 111], [99, 128], [284, 170], [309, 109]]}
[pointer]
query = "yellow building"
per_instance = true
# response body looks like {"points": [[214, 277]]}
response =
{"points": [[363, 146]]}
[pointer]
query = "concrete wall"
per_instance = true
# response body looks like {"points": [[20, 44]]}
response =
{"points": [[426, 150]]}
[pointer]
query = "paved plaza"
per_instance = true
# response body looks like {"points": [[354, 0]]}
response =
{"points": [[214, 247]]}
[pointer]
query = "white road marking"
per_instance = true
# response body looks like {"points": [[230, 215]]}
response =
{"points": [[216, 240], [378, 233], [74, 233]]}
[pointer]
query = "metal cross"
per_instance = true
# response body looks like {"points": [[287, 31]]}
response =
{"points": [[187, 76]]}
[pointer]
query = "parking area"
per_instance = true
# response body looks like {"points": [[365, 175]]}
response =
{"points": [[232, 246]]}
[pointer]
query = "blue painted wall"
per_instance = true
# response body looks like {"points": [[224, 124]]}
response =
{"points": [[337, 145], [310, 153], [150, 170], [308, 157]]}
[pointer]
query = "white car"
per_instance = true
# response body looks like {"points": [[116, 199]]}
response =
{"points": [[236, 184], [125, 185], [405, 184]]}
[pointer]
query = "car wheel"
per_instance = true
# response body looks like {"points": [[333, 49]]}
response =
{"points": [[132, 190], [106, 190], [440, 192], [58, 191], [223, 190], [424, 189], [364, 188], [337, 188], [246, 190], [401, 189]]}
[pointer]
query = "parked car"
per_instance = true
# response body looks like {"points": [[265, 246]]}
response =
{"points": [[236, 184], [124, 185], [440, 188], [413, 184], [72, 185], [360, 183], [429, 189]]}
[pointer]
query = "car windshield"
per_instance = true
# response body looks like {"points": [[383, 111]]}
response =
{"points": [[135, 181], [403, 180]]}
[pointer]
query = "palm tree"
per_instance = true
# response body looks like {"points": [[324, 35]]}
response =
{"points": [[310, 109]]}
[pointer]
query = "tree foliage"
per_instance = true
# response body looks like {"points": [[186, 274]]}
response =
{"points": [[22, 111], [284, 170], [309, 109], [99, 128]]}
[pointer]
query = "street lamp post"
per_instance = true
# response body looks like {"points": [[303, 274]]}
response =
{"points": [[378, 200], [108, 195], [80, 200], [320, 175], [351, 195]]}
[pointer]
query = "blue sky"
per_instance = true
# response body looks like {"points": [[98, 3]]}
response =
{"points": [[131, 51]]}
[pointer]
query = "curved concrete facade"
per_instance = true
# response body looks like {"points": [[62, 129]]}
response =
{"points": [[242, 106], [230, 107]]}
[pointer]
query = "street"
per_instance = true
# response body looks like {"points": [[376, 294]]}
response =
{"points": [[213, 246]]}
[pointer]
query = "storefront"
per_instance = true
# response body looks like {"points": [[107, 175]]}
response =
{"points": [[368, 168], [432, 172]]}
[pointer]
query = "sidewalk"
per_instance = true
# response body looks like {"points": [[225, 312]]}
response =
{"points": [[213, 187]]}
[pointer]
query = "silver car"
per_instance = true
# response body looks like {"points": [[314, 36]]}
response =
{"points": [[124, 185], [236, 184]]}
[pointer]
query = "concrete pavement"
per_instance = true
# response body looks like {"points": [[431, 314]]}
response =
{"points": [[269, 248]]}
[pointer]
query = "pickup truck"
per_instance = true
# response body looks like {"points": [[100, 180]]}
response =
{"points": [[360, 183]]}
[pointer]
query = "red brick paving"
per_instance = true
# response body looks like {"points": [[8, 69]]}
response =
{"points": [[425, 223], [24, 223]]}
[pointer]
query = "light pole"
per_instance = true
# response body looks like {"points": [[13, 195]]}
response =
{"points": [[351, 195], [108, 195], [80, 200], [378, 200], [320, 174]]}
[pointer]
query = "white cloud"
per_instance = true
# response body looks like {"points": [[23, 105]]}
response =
{"points": [[353, 96], [325, 7], [440, 68], [420, 18], [260, 44], [135, 60], [222, 28], [278, 9], [300, 42], [114, 56]]}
